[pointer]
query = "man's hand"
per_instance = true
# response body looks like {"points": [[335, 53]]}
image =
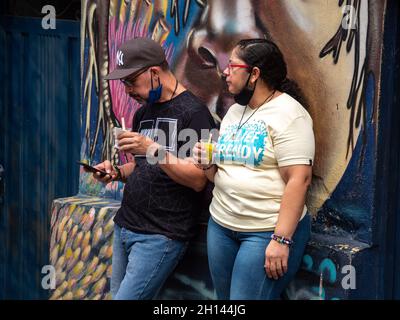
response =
{"points": [[107, 167], [133, 142]]}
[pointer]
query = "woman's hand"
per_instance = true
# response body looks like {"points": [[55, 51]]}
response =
{"points": [[200, 156], [276, 259]]}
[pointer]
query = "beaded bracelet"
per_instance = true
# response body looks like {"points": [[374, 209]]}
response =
{"points": [[281, 240], [119, 173]]}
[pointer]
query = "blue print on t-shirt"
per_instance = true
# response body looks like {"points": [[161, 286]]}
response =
{"points": [[243, 146]]}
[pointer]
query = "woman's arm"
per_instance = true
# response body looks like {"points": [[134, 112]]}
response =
{"points": [[297, 179], [210, 172]]}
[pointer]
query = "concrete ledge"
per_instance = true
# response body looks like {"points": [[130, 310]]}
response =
{"points": [[81, 246], [191, 279], [81, 251], [333, 268]]}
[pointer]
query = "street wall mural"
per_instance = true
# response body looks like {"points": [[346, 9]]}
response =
{"points": [[333, 51], [81, 247]]}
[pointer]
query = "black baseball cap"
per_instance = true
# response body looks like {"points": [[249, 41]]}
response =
{"points": [[134, 55]]}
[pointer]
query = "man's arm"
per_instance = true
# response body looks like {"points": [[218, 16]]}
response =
{"points": [[126, 170], [112, 174], [182, 171]]}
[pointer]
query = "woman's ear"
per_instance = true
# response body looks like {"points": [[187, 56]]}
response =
{"points": [[255, 74]]}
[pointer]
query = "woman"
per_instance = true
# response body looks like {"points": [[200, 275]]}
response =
{"points": [[259, 224]]}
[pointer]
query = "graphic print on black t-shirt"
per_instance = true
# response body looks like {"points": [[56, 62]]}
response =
{"points": [[146, 128], [161, 130], [152, 201]]}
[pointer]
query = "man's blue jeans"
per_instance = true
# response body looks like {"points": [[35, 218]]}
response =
{"points": [[141, 263], [236, 261]]}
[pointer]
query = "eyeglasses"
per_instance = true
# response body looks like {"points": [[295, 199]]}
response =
{"points": [[129, 81], [233, 65]]}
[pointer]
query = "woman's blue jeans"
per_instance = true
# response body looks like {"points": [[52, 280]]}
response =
{"points": [[141, 263], [236, 261]]}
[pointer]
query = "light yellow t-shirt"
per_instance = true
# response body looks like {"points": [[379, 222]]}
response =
{"points": [[248, 186]]}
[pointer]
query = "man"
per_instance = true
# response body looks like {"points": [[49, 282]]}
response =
{"points": [[161, 198]]}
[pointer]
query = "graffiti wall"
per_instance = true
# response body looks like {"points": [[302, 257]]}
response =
{"points": [[81, 247], [333, 51]]}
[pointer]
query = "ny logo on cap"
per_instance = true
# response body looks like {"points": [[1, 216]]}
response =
{"points": [[120, 56]]}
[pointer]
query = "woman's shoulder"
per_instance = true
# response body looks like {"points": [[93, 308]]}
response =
{"points": [[289, 106], [286, 109], [233, 112]]}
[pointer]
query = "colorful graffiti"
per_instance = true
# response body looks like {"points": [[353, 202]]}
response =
{"points": [[106, 103], [332, 49], [81, 247], [307, 45], [327, 271], [330, 61]]}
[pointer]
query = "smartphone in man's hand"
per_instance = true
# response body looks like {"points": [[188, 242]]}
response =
{"points": [[92, 169]]}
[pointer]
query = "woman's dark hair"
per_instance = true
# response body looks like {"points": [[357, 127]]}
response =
{"points": [[266, 55]]}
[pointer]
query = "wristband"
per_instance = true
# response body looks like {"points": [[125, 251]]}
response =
{"points": [[119, 175], [281, 240]]}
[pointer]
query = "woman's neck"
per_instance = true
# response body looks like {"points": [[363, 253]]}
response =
{"points": [[260, 97]]}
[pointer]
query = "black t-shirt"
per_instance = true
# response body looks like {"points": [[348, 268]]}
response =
{"points": [[152, 202]]}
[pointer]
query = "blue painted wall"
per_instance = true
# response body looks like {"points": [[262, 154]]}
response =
{"points": [[387, 230], [39, 143]]}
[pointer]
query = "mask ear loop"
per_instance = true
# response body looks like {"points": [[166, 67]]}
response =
{"points": [[248, 79], [247, 82], [151, 80]]}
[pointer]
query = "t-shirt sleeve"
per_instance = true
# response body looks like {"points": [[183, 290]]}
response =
{"points": [[201, 120], [295, 145]]}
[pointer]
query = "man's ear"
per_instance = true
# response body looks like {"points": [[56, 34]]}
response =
{"points": [[155, 72]]}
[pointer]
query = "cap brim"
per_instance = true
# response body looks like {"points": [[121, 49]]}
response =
{"points": [[120, 73]]}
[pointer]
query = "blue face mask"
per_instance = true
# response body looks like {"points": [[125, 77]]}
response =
{"points": [[154, 94]]}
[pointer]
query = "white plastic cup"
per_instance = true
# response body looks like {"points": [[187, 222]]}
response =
{"points": [[117, 131]]}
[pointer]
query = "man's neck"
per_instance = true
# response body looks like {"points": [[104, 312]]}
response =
{"points": [[171, 87]]}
